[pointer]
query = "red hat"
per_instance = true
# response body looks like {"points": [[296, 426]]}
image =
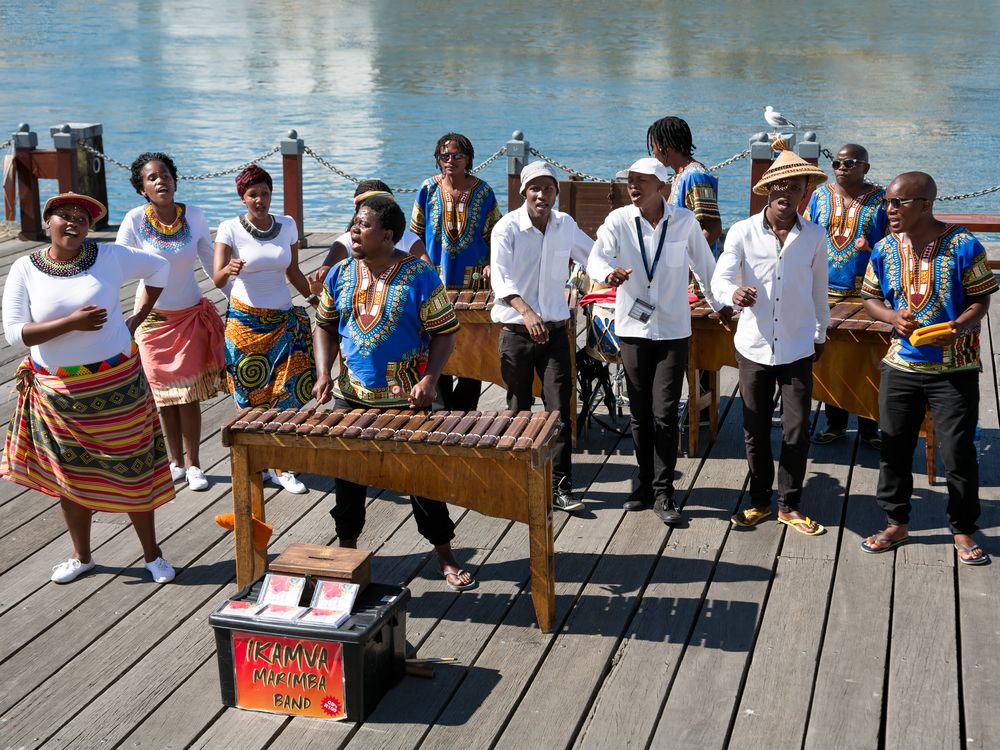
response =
{"points": [[92, 206]]}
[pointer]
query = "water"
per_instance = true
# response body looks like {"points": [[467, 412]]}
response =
{"points": [[371, 86]]}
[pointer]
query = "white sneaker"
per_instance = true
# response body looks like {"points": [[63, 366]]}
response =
{"points": [[70, 570], [177, 473], [161, 570], [289, 482], [196, 479]]}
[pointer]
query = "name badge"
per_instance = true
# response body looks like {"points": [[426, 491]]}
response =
{"points": [[641, 311]]}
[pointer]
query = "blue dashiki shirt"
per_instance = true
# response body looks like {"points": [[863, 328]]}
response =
{"points": [[457, 235], [385, 326], [845, 222], [937, 285], [696, 189]]}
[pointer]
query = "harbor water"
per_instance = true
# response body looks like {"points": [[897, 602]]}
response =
{"points": [[370, 86]]}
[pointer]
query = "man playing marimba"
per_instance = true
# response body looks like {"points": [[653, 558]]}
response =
{"points": [[926, 272], [531, 249], [388, 316]]}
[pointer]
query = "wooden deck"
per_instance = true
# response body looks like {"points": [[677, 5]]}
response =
{"points": [[704, 637]]}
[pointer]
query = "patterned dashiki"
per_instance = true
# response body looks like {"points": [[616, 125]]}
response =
{"points": [[88, 433], [456, 234], [845, 222], [936, 283], [696, 189], [385, 325], [269, 356]]}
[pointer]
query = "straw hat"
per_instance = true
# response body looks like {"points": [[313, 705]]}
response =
{"points": [[788, 165], [92, 206]]}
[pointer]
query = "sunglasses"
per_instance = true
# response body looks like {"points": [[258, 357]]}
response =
{"points": [[846, 163], [68, 214], [451, 156], [898, 202]]}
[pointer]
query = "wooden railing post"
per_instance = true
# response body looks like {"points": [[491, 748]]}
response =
{"points": [[292, 148], [25, 143], [517, 157], [86, 170]]}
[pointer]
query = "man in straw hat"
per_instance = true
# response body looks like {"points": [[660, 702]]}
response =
{"points": [[530, 253], [646, 250], [782, 260], [926, 272]]}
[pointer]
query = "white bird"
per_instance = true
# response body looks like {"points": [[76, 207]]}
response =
{"points": [[776, 119]]}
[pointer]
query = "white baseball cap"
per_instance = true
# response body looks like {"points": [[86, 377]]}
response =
{"points": [[649, 165]]}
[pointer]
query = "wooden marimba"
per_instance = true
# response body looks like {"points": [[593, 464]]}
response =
{"points": [[496, 463], [477, 345], [847, 375]]}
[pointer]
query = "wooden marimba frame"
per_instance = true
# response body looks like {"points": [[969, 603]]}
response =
{"points": [[499, 464], [847, 375]]}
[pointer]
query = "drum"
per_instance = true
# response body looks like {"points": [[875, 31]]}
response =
{"points": [[602, 341]]}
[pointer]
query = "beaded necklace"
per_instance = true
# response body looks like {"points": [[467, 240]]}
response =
{"points": [[165, 236], [64, 268], [261, 234]]}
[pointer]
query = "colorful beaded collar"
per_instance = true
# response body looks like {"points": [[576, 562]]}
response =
{"points": [[163, 236], [63, 268]]}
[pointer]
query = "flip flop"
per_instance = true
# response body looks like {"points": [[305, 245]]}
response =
{"points": [[873, 442], [799, 525], [893, 543], [458, 587], [749, 517], [982, 559], [828, 436]]}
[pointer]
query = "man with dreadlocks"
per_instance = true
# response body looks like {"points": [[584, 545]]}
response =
{"points": [[669, 140]]}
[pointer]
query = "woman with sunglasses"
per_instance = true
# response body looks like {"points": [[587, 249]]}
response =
{"points": [[85, 428], [269, 348], [181, 342], [849, 210], [454, 213]]}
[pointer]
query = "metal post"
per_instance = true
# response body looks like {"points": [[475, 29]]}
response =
{"points": [[517, 157], [88, 170], [25, 142], [292, 148]]}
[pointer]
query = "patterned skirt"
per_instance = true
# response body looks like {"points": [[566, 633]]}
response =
{"points": [[183, 353], [269, 356], [89, 434]]}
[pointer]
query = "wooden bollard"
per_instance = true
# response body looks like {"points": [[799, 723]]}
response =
{"points": [[292, 148]]}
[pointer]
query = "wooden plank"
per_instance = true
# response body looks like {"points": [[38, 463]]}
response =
{"points": [[243, 729]]}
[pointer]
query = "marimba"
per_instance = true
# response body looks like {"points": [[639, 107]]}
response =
{"points": [[477, 345], [496, 463], [847, 375]]}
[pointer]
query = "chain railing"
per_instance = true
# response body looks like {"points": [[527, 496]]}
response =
{"points": [[941, 198], [192, 177]]}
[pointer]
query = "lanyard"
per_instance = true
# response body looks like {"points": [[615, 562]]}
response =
{"points": [[642, 247]]}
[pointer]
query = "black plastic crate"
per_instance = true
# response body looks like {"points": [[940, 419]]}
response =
{"points": [[372, 646]]}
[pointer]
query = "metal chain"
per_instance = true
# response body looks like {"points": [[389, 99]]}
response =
{"points": [[194, 177], [956, 197], [502, 150], [731, 160], [564, 167]]}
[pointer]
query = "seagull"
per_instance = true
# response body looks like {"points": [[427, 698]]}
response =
{"points": [[776, 119]]}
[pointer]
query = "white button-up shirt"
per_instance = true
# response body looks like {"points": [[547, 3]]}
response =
{"points": [[791, 313], [534, 266], [684, 248]]}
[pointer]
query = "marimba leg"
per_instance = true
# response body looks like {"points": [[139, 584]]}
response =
{"points": [[540, 547], [248, 502], [929, 446]]}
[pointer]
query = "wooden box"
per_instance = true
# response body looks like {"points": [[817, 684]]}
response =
{"points": [[353, 565]]}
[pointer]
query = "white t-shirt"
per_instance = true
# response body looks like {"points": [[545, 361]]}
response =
{"points": [[404, 244], [261, 283], [182, 289], [33, 296]]}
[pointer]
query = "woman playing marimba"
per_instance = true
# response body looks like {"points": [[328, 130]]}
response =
{"points": [[388, 316]]}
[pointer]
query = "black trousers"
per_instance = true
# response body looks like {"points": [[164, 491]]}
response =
{"points": [[458, 393], [654, 378], [433, 521], [836, 419], [954, 403], [520, 359], [757, 388]]}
